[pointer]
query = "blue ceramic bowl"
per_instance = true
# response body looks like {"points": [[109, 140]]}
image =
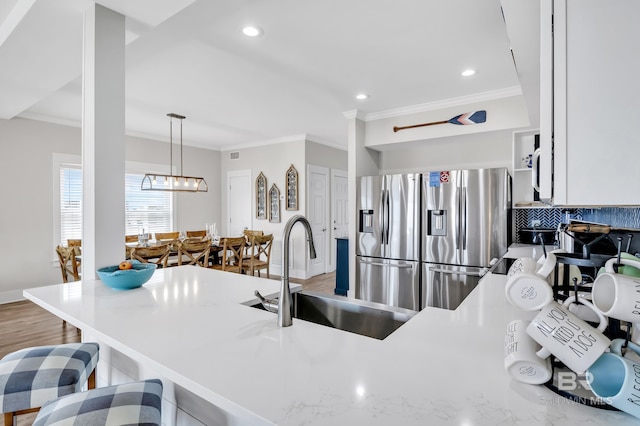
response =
{"points": [[127, 279]]}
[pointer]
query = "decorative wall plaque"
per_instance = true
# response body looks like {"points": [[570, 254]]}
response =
{"points": [[291, 180], [261, 196], [274, 204]]}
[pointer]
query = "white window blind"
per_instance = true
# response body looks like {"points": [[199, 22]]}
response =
{"points": [[153, 209], [70, 202]]}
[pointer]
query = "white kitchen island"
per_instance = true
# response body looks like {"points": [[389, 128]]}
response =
{"points": [[226, 363]]}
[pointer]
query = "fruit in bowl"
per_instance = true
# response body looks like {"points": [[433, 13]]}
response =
{"points": [[127, 275]]}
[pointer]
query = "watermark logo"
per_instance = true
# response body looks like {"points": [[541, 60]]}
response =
{"points": [[575, 384], [570, 381]]}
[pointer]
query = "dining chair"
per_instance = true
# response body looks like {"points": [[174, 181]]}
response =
{"points": [[130, 238], [195, 234], [152, 254], [74, 243], [162, 236], [196, 252], [250, 232], [232, 252], [260, 254], [69, 265]]}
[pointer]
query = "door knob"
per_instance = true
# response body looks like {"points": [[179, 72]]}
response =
{"points": [[324, 229]]}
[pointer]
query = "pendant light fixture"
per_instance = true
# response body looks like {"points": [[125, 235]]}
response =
{"points": [[171, 182]]}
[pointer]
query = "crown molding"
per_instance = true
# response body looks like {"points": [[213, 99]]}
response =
{"points": [[50, 119], [447, 103], [354, 114]]}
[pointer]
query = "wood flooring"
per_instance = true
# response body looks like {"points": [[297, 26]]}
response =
{"points": [[24, 324]]}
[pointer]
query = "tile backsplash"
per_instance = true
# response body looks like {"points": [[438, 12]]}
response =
{"points": [[621, 217]]}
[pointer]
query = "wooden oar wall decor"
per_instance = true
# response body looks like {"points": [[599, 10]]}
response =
{"points": [[475, 117]]}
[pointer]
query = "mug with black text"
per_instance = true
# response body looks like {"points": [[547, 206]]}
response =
{"points": [[520, 359], [570, 339]]}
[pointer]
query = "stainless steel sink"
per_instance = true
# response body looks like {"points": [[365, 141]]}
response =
{"points": [[356, 316]]}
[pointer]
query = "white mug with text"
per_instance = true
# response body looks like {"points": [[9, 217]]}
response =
{"points": [[561, 333], [520, 359]]}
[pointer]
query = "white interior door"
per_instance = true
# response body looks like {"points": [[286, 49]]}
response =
{"points": [[339, 212], [238, 202], [318, 216]]}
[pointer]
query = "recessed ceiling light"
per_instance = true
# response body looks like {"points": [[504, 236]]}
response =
{"points": [[469, 72], [362, 96], [252, 31]]}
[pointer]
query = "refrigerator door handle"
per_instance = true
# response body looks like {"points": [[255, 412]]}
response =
{"points": [[386, 214], [481, 273], [383, 218], [463, 222], [458, 224], [386, 264]]}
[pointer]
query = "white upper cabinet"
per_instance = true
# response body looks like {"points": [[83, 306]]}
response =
{"points": [[590, 101]]}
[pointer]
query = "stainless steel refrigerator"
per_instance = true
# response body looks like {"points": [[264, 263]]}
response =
{"points": [[466, 224], [388, 240]]}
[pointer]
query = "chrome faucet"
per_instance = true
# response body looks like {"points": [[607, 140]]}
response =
{"points": [[285, 307]]}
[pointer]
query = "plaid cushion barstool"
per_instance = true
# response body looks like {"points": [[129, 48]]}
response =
{"points": [[136, 403], [32, 376]]}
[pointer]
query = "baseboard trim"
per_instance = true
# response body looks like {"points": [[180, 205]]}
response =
{"points": [[11, 296]]}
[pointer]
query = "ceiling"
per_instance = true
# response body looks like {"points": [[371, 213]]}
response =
{"points": [[190, 57]]}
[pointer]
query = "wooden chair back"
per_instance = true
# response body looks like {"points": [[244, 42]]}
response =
{"points": [[130, 238], [251, 232], [232, 251], [196, 234], [68, 263], [161, 236], [153, 254], [74, 243], [196, 251], [260, 257]]}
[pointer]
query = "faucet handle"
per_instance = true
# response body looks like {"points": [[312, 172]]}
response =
{"points": [[270, 305]]}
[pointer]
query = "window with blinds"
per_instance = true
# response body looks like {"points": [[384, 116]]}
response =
{"points": [[152, 209], [70, 202]]}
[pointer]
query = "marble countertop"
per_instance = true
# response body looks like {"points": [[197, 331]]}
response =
{"points": [[442, 367]]}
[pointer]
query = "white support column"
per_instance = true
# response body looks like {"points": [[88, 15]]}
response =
{"points": [[103, 150], [361, 162]]}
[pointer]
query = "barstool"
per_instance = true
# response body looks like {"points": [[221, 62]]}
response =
{"points": [[32, 376], [126, 404]]}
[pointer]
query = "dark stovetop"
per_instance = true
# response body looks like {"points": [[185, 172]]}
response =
{"points": [[503, 265]]}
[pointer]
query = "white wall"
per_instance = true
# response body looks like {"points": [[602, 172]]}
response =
{"points": [[481, 150], [26, 222], [326, 156], [273, 161], [502, 114]]}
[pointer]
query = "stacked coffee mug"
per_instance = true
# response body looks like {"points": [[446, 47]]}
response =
{"points": [[527, 286], [557, 331], [521, 360]]}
